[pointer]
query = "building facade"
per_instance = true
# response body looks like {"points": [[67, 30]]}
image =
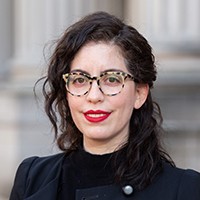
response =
{"points": [[27, 26]]}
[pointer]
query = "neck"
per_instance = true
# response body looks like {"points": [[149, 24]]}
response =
{"points": [[100, 148]]}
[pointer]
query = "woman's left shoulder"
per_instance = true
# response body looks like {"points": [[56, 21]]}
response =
{"points": [[181, 174], [191, 176], [187, 182]]}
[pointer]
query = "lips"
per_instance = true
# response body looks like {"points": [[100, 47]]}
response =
{"points": [[96, 115]]}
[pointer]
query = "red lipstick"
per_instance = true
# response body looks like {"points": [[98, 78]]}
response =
{"points": [[96, 115]]}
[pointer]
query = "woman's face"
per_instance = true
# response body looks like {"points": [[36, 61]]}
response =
{"points": [[103, 120]]}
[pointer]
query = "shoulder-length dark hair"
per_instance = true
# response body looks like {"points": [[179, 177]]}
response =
{"points": [[144, 155]]}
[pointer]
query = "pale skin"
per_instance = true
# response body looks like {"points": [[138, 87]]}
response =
{"points": [[108, 135]]}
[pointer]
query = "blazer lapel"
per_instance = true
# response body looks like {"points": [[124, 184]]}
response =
{"points": [[49, 192]]}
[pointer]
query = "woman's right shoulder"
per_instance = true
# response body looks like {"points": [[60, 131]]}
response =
{"points": [[35, 164], [34, 167], [44, 159]]}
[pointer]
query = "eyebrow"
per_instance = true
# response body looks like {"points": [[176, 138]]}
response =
{"points": [[85, 72], [79, 70], [112, 70]]}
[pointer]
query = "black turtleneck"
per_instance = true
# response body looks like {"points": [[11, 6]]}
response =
{"points": [[84, 170]]}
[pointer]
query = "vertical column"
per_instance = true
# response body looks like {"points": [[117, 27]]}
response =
{"points": [[193, 19], [133, 13], [29, 30], [167, 22], [5, 37], [8, 139], [156, 18], [175, 17]]}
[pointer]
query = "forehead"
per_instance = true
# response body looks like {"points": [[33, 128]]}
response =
{"points": [[94, 57]]}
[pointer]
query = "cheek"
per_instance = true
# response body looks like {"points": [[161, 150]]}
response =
{"points": [[73, 103], [128, 97], [124, 102]]}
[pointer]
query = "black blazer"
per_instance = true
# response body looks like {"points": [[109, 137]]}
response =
{"points": [[38, 179]]}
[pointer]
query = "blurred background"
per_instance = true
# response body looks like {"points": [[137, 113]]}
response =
{"points": [[27, 29]]}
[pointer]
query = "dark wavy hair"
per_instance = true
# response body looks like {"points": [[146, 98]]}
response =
{"points": [[143, 154]]}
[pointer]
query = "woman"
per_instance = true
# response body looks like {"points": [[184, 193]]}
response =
{"points": [[98, 98]]}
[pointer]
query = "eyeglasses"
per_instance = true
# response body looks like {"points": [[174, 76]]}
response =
{"points": [[109, 83]]}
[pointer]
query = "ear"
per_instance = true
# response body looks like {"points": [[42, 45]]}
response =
{"points": [[142, 91]]}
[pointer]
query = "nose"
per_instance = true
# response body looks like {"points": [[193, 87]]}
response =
{"points": [[94, 95]]}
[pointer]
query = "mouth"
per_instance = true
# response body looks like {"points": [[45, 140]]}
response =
{"points": [[96, 116]]}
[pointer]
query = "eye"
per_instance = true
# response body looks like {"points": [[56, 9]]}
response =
{"points": [[78, 80], [112, 80]]}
